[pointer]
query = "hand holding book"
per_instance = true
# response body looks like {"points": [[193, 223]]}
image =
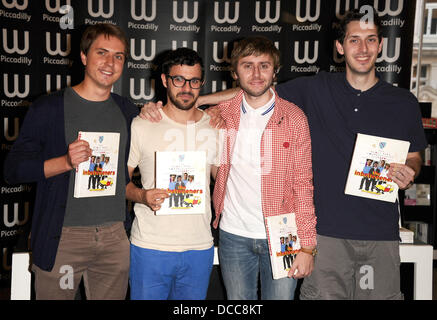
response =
{"points": [[402, 175], [78, 151]]}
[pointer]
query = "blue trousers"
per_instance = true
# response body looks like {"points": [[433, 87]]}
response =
{"points": [[163, 275], [242, 261]]}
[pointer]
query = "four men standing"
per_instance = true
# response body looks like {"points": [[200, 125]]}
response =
{"points": [[265, 169]]}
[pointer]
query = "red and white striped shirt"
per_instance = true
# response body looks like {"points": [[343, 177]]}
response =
{"points": [[286, 167]]}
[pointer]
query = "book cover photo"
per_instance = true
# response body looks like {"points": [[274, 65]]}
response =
{"points": [[97, 177], [370, 163], [284, 243], [183, 175]]}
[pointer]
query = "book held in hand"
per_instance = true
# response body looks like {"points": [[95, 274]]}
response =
{"points": [[283, 242], [370, 163], [183, 175], [97, 177]]}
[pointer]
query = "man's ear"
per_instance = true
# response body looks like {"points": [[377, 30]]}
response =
{"points": [[83, 58], [234, 75], [164, 80], [380, 45], [339, 47]]}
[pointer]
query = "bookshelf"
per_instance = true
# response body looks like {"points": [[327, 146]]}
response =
{"points": [[421, 217]]}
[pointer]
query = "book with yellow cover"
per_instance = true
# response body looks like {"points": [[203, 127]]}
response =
{"points": [[97, 177], [370, 163]]}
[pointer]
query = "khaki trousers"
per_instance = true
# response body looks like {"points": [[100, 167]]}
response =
{"points": [[98, 254]]}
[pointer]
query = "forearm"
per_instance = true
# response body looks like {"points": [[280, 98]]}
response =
{"points": [[415, 163], [217, 97], [55, 166], [135, 194]]}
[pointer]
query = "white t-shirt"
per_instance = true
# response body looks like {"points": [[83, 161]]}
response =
{"points": [[242, 213], [171, 233]]}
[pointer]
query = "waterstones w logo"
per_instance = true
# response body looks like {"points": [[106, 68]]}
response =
{"points": [[307, 16], [388, 6], [184, 17], [388, 45], [347, 7], [141, 94], [59, 83], [267, 17], [174, 45], [100, 9], [58, 50], [7, 129], [143, 14], [226, 16], [14, 4], [306, 56], [57, 7], [142, 55], [15, 220], [226, 52], [16, 92], [15, 43]]}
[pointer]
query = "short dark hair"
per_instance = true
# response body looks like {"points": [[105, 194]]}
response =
{"points": [[256, 45], [92, 32], [356, 15], [181, 56]]}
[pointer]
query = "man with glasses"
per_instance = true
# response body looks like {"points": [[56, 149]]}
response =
{"points": [[172, 255]]}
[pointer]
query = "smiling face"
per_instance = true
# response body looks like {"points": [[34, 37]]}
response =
{"points": [[360, 48], [104, 62], [255, 74]]}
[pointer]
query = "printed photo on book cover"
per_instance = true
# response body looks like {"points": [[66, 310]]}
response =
{"points": [[98, 176], [183, 175], [371, 161]]}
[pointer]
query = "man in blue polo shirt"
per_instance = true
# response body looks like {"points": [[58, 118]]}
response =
{"points": [[356, 237], [355, 234]]}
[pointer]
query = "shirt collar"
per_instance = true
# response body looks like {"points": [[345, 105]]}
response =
{"points": [[264, 110]]}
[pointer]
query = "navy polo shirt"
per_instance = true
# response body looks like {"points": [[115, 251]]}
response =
{"points": [[336, 113]]}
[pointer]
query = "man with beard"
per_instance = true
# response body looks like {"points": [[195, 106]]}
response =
{"points": [[172, 255]]}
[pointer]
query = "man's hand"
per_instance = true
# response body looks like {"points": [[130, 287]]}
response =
{"points": [[401, 174], [216, 120], [153, 198], [150, 111], [302, 266], [78, 151]]}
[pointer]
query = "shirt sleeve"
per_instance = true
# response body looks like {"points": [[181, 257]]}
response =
{"points": [[134, 151], [302, 182], [25, 162]]}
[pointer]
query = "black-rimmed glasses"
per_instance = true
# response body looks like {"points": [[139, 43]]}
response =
{"points": [[179, 82]]}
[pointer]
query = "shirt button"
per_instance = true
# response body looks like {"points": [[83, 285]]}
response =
{"points": [[358, 94], [356, 109]]}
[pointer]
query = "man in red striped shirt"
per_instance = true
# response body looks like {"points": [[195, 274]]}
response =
{"points": [[265, 170]]}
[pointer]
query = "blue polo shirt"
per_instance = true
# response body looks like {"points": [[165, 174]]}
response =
{"points": [[336, 113]]}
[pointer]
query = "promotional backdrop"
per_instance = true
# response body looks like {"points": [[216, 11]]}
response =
{"points": [[39, 53]]}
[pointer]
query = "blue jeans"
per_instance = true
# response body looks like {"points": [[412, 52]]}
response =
{"points": [[162, 275], [242, 260]]}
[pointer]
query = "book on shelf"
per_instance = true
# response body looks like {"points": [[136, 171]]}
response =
{"points": [[370, 162], [283, 243], [406, 235], [430, 123], [97, 177], [418, 195], [183, 175], [419, 228]]}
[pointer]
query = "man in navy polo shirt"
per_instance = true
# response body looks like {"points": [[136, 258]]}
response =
{"points": [[357, 238]]}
